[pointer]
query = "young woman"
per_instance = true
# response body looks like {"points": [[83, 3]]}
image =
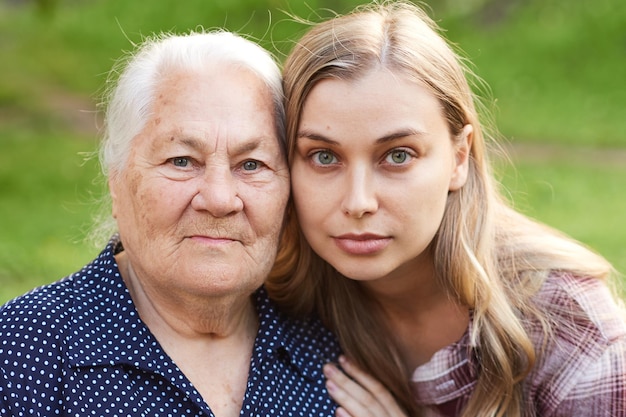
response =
{"points": [[445, 299]]}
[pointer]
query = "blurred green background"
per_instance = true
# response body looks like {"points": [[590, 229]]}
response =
{"points": [[556, 68]]}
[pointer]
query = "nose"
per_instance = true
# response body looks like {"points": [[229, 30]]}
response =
{"points": [[359, 193], [217, 192]]}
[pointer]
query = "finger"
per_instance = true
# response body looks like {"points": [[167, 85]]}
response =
{"points": [[355, 400], [341, 412], [372, 386]]}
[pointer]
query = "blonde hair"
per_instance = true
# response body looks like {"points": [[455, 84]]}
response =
{"points": [[488, 257]]}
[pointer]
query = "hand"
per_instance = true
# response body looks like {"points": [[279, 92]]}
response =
{"points": [[360, 396]]}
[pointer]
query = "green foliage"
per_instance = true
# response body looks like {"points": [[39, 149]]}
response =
{"points": [[556, 68], [48, 195], [579, 194]]}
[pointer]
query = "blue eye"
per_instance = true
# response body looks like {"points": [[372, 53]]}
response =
{"points": [[180, 161], [397, 156], [324, 158], [250, 165]]}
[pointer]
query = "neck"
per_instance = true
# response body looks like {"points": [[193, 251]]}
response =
{"points": [[210, 339], [411, 289], [421, 314], [189, 316]]}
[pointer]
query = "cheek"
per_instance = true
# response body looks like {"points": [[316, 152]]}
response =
{"points": [[143, 197], [305, 192], [150, 204], [265, 208], [123, 194], [421, 201], [308, 208]]}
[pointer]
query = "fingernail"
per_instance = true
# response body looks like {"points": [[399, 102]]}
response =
{"points": [[331, 386], [341, 412], [343, 360], [329, 370]]}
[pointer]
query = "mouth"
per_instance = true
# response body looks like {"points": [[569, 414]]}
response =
{"points": [[362, 244], [212, 240]]}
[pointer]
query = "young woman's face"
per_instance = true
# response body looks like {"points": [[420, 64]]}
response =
{"points": [[373, 166]]}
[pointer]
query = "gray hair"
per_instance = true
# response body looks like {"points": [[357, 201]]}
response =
{"points": [[132, 83]]}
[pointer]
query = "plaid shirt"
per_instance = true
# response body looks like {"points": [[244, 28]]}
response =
{"points": [[581, 370]]}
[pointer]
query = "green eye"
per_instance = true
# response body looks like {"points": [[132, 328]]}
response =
{"points": [[324, 158], [398, 156]]}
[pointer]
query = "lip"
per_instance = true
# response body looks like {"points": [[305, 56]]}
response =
{"points": [[212, 240], [361, 244]]}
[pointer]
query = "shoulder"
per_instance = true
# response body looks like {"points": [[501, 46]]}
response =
{"points": [[47, 311], [581, 359], [582, 306], [311, 332], [34, 329], [288, 359], [41, 307], [298, 334]]}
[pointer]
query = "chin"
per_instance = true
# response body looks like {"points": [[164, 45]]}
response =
{"points": [[218, 290], [360, 274]]}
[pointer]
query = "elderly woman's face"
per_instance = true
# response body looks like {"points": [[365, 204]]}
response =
{"points": [[201, 201]]}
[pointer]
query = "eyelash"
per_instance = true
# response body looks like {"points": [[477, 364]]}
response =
{"points": [[314, 156], [406, 152], [259, 164], [176, 159]]}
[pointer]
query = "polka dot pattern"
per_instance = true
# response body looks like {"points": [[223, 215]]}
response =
{"points": [[77, 347]]}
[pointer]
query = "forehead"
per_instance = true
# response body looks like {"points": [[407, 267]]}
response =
{"points": [[216, 102], [378, 99], [225, 89], [375, 82]]}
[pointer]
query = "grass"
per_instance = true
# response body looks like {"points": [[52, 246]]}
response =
{"points": [[47, 200], [555, 68], [582, 200], [556, 71]]}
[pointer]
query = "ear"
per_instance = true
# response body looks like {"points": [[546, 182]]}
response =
{"points": [[462, 146]]}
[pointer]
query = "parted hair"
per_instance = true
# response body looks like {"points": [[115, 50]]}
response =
{"points": [[488, 256]]}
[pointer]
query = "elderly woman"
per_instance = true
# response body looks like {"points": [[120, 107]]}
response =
{"points": [[171, 318]]}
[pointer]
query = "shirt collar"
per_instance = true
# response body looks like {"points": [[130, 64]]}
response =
{"points": [[297, 340]]}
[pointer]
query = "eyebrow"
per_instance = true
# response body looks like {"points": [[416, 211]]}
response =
{"points": [[188, 142], [246, 147], [399, 134]]}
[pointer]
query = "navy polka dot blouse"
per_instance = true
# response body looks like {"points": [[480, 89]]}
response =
{"points": [[77, 347]]}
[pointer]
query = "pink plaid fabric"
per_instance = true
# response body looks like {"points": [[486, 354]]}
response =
{"points": [[581, 370]]}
